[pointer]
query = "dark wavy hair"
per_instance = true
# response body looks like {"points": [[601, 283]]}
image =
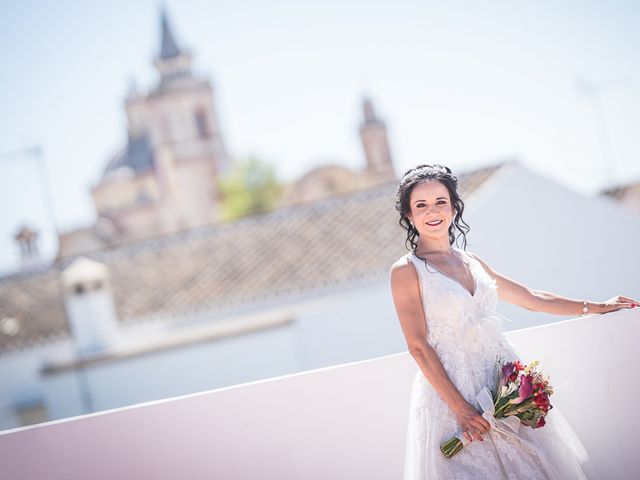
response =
{"points": [[425, 173]]}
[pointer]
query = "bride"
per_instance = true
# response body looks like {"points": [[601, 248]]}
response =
{"points": [[446, 300]]}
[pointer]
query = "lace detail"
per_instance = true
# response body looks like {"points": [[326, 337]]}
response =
{"points": [[466, 333]]}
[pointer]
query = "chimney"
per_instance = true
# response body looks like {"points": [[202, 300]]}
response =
{"points": [[27, 239], [89, 305]]}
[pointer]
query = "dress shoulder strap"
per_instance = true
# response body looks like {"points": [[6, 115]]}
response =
{"points": [[415, 260], [467, 255], [420, 268], [475, 263]]}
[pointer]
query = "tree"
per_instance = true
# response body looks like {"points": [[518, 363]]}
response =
{"points": [[250, 187]]}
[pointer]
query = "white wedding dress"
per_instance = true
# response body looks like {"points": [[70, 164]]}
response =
{"points": [[466, 333]]}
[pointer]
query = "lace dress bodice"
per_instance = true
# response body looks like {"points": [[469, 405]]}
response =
{"points": [[466, 332], [462, 328]]}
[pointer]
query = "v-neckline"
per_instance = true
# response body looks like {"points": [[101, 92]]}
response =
{"points": [[475, 283]]}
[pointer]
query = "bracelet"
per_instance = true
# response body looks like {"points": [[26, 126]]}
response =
{"points": [[585, 308]]}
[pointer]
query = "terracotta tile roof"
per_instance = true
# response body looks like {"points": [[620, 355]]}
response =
{"points": [[284, 253], [32, 299]]}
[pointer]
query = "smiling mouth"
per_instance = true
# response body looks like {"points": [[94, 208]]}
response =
{"points": [[438, 222]]}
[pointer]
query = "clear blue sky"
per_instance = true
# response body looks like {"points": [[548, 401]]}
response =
{"points": [[462, 83]]}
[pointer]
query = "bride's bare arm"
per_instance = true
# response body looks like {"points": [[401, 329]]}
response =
{"points": [[406, 297], [541, 301]]}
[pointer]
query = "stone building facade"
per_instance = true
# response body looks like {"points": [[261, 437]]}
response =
{"points": [[329, 180], [164, 179]]}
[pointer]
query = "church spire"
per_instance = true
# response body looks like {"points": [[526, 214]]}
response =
{"points": [[173, 63], [373, 133], [368, 111], [168, 46]]}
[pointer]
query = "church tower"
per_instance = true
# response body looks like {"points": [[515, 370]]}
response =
{"points": [[164, 179], [373, 133]]}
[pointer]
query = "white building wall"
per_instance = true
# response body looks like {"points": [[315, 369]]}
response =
{"points": [[538, 233], [20, 381], [344, 422], [352, 325], [174, 372]]}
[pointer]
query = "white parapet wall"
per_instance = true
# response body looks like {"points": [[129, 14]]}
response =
{"points": [[343, 422]]}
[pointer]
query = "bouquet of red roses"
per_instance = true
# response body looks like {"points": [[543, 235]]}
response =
{"points": [[521, 397]]}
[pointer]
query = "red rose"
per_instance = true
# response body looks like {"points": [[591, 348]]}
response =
{"points": [[540, 423], [540, 399]]}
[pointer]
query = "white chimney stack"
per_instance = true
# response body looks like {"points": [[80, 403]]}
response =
{"points": [[27, 239], [89, 304]]}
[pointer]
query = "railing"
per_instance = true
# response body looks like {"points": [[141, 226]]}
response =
{"points": [[344, 422]]}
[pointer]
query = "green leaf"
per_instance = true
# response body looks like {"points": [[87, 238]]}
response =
{"points": [[250, 188]]}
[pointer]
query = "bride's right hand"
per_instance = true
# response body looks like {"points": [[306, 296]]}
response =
{"points": [[471, 422]]}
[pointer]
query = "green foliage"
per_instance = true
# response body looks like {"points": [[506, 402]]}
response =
{"points": [[250, 188]]}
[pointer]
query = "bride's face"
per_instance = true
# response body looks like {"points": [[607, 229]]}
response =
{"points": [[430, 202]]}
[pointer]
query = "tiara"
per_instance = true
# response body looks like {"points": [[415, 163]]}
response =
{"points": [[426, 169]]}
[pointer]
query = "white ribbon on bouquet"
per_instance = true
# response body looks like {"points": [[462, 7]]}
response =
{"points": [[508, 427]]}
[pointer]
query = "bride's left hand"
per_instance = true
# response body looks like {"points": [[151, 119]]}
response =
{"points": [[619, 302]]}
